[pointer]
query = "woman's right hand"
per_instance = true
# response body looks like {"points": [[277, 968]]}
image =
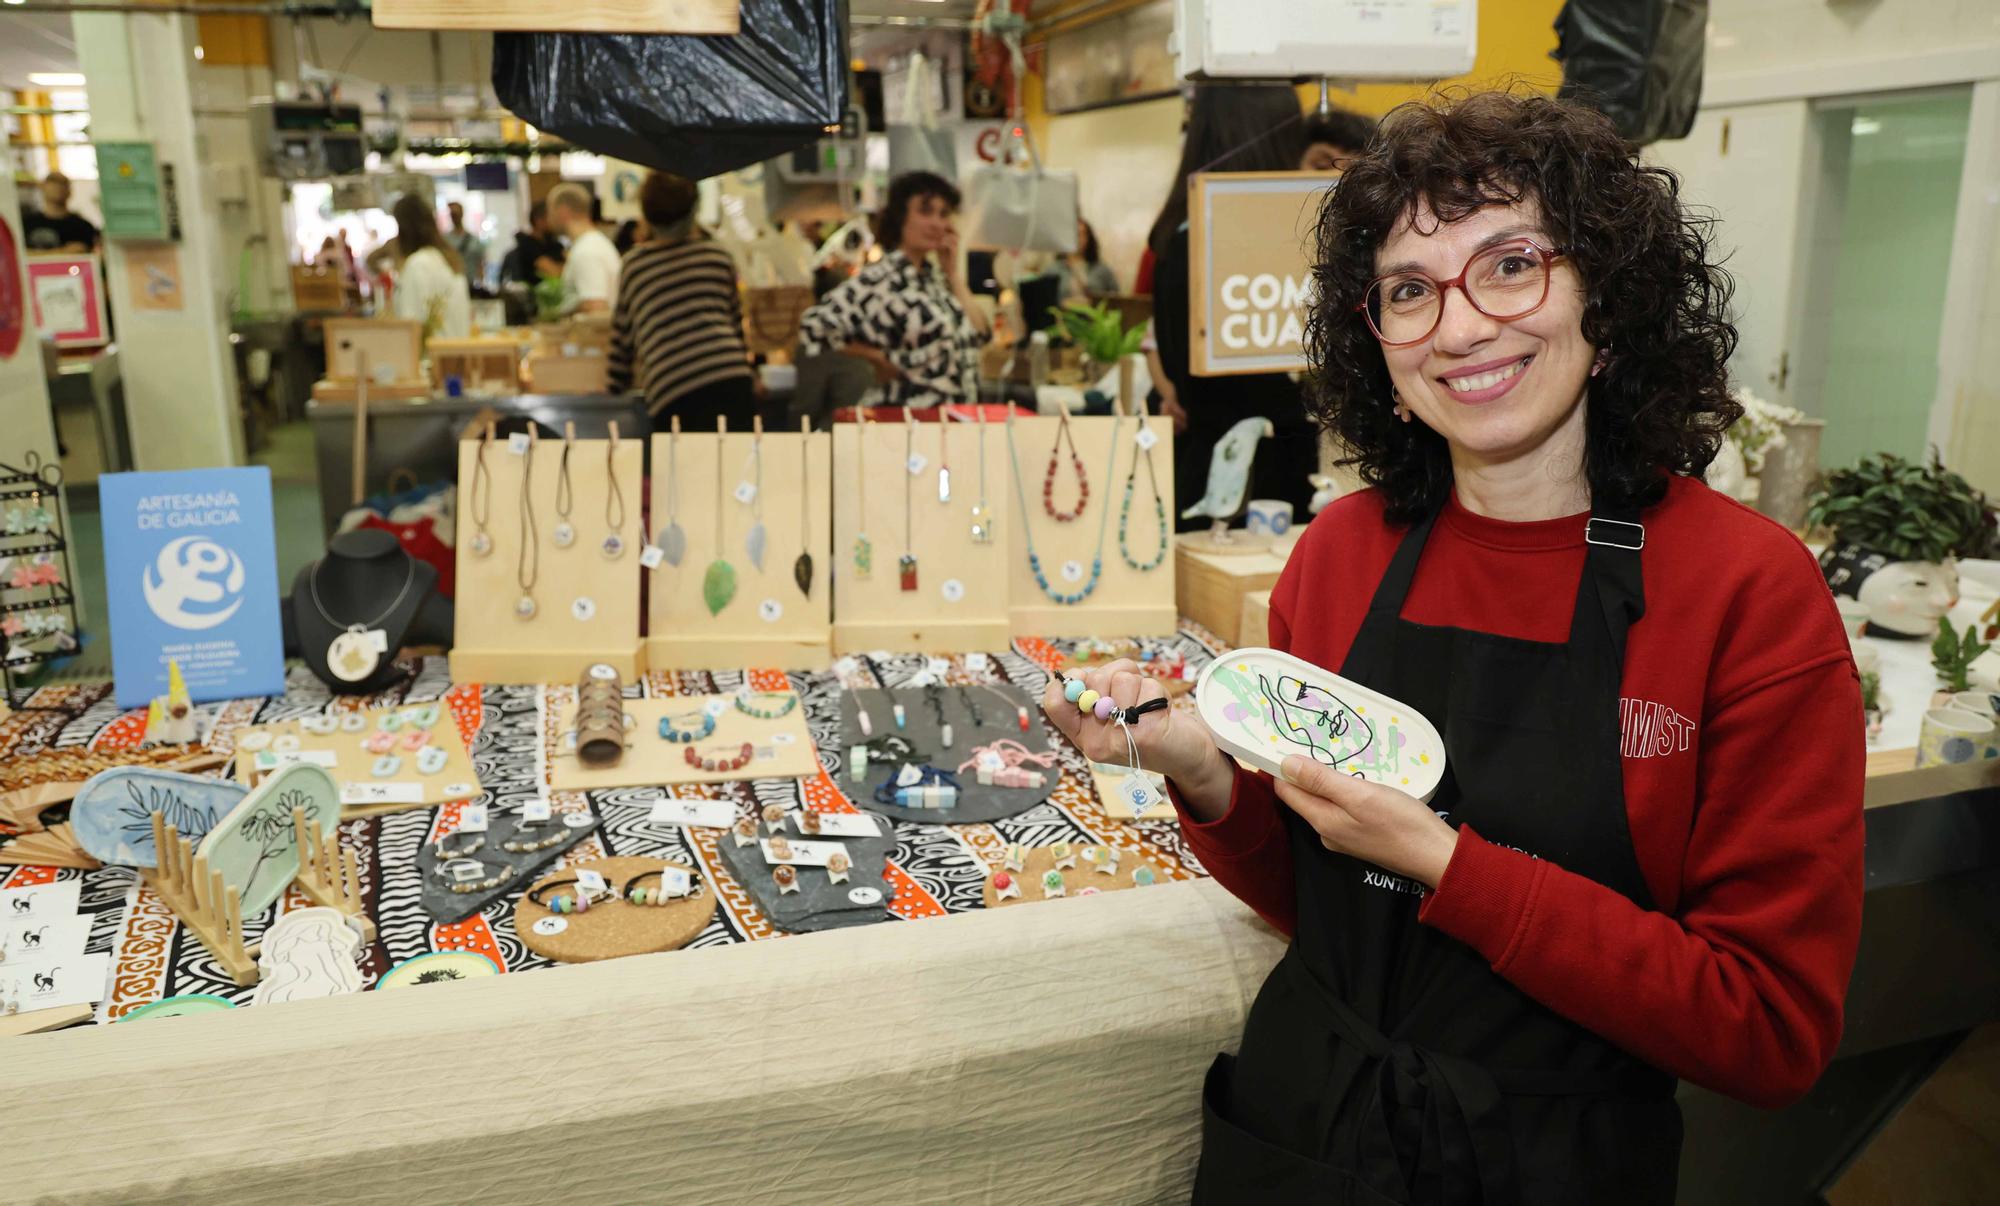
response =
{"points": [[1172, 742]]}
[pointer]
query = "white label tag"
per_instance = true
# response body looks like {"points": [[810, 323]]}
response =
{"points": [[909, 776], [842, 824], [804, 854], [472, 819], [588, 880], [381, 793], [770, 611], [1072, 571], [916, 463], [273, 759], [976, 663], [711, 814], [45, 938], [991, 761], [583, 609], [716, 706], [865, 896], [535, 810], [746, 492], [652, 556], [518, 443], [1138, 791], [846, 666], [467, 870], [1146, 438], [938, 667], [952, 589], [674, 881], [43, 902], [377, 639], [47, 984]]}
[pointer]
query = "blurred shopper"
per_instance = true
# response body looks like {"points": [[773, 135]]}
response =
{"points": [[430, 283]]}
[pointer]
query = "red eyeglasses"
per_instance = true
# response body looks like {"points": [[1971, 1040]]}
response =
{"points": [[1504, 282]]}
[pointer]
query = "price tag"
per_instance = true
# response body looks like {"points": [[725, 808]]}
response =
{"points": [[991, 761], [576, 820], [675, 882], [518, 443], [584, 608], [770, 611], [549, 927], [472, 819], [952, 589], [976, 663], [652, 556], [1138, 791], [535, 810], [467, 871], [381, 793], [377, 639], [938, 667], [711, 814], [846, 666], [588, 880], [1146, 438], [916, 463], [1072, 571], [909, 776], [716, 706], [746, 492], [865, 896]]}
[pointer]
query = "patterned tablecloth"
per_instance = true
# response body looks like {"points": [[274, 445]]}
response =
{"points": [[936, 869]]}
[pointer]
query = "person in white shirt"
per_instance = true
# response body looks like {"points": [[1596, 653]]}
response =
{"points": [[590, 273], [430, 285]]}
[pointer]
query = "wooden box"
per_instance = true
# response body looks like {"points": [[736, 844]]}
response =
{"points": [[1210, 588], [393, 347], [1255, 626], [489, 367], [315, 289], [569, 374]]}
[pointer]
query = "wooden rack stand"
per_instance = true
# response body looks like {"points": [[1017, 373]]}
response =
{"points": [[214, 911]]}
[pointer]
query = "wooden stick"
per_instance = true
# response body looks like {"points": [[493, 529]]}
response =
{"points": [[360, 424]]}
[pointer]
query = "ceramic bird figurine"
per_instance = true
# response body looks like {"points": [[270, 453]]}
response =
{"points": [[1229, 474]]}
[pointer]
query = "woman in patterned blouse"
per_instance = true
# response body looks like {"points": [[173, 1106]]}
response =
{"points": [[913, 321]]}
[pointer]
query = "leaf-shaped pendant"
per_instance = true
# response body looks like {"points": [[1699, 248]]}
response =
{"points": [[802, 573], [718, 586], [864, 555], [753, 544], [673, 542]]}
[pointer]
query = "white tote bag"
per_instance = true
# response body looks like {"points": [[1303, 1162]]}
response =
{"points": [[1023, 208], [918, 143]]}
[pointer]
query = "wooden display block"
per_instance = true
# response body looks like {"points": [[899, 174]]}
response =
{"points": [[1211, 588], [586, 374], [651, 760], [590, 16], [586, 604], [769, 621], [352, 763], [1127, 602], [485, 367], [960, 600], [392, 347], [1255, 626], [326, 390]]}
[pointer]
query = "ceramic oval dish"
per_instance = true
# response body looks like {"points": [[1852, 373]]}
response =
{"points": [[112, 815], [255, 848], [1264, 706]]}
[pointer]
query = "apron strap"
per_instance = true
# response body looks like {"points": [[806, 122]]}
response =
{"points": [[1395, 585], [1614, 588]]}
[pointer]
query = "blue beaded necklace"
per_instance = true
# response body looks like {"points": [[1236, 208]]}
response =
{"points": [[1103, 514]]}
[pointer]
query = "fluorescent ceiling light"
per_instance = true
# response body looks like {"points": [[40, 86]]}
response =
{"points": [[56, 79]]}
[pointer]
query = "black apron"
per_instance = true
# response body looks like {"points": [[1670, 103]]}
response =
{"points": [[1384, 1061]]}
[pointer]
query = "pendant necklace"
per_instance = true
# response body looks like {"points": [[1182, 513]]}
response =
{"points": [[527, 565], [355, 652], [982, 517], [673, 541], [718, 584], [802, 569], [906, 565], [1055, 463], [614, 502], [1034, 559], [753, 544], [564, 535], [944, 455], [1159, 511], [864, 548], [482, 499]]}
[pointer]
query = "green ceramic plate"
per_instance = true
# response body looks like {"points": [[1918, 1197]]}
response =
{"points": [[180, 1007], [439, 967], [253, 846]]}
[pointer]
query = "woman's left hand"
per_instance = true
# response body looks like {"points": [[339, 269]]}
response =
{"points": [[1391, 829]]}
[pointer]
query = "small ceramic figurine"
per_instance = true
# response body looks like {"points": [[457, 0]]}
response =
{"points": [[1016, 857], [837, 867], [745, 830], [1005, 886], [170, 719], [1063, 855], [786, 877], [774, 817], [781, 847], [1052, 883]]}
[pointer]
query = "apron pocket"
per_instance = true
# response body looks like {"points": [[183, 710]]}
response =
{"points": [[1237, 1166]]}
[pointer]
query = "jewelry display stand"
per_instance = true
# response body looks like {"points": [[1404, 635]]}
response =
{"points": [[612, 929], [37, 595], [352, 763], [1125, 601], [214, 913], [651, 759], [585, 604], [767, 620], [959, 602], [365, 584]]}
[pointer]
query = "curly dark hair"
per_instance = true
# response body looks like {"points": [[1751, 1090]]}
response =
{"points": [[1654, 300], [896, 207]]}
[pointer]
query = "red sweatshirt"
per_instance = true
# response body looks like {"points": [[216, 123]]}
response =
{"points": [[1743, 765]]}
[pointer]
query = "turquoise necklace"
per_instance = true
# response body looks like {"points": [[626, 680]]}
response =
{"points": [[1159, 513], [1103, 515]]}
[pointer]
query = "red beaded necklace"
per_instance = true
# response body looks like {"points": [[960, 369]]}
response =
{"points": [[1055, 462], [717, 763]]}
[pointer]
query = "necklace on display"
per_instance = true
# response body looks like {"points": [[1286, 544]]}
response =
{"points": [[944, 454], [1027, 535], [527, 565], [358, 649], [718, 583], [673, 541], [614, 502], [864, 548], [753, 543], [802, 569], [564, 534], [982, 517], [482, 498], [1055, 462], [906, 565], [1159, 506]]}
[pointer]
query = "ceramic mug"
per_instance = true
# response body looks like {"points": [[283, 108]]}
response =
{"points": [[1986, 704], [1953, 735], [1268, 517]]}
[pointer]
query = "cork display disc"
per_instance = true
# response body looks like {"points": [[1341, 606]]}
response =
{"points": [[1077, 880], [345, 754], [613, 928]]}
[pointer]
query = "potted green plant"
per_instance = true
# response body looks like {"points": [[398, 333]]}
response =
{"points": [[1898, 527], [1871, 703], [1952, 655], [1101, 334]]}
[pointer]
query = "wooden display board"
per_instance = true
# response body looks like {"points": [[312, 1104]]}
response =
{"points": [[1250, 269], [395, 342], [495, 646], [592, 16], [352, 762], [489, 366], [769, 621], [651, 760], [960, 602], [1127, 602]]}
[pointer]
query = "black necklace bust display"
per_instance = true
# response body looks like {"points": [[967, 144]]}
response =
{"points": [[350, 611]]}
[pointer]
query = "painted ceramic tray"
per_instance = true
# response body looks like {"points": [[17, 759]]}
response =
{"points": [[112, 815], [254, 847], [180, 1007], [438, 967], [1264, 706]]}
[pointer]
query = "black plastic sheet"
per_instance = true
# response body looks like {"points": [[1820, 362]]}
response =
{"points": [[1637, 61], [692, 105]]}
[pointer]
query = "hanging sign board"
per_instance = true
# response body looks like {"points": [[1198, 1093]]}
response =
{"points": [[131, 193], [1250, 251]]}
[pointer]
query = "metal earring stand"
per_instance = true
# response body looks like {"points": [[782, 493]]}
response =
{"points": [[37, 480]]}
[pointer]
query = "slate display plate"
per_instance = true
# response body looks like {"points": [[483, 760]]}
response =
{"points": [[976, 804], [817, 905], [450, 907]]}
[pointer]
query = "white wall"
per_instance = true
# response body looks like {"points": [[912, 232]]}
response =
{"points": [[1124, 158]]}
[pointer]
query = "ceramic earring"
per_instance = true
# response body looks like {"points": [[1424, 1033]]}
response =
{"points": [[352, 722], [1064, 855], [389, 722], [379, 743], [786, 877], [1005, 886], [1603, 358], [745, 830], [774, 817], [319, 726], [431, 759], [416, 739], [1052, 883], [386, 765], [286, 743], [837, 867]]}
